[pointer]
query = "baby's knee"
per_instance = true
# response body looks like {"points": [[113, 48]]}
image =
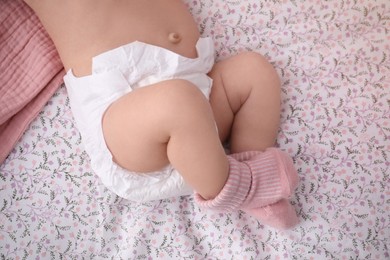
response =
{"points": [[184, 104], [179, 90], [253, 59], [257, 66], [180, 95], [255, 62]]}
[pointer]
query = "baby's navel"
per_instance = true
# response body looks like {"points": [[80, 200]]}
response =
{"points": [[174, 37]]}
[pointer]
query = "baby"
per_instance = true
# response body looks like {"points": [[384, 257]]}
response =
{"points": [[153, 109]]}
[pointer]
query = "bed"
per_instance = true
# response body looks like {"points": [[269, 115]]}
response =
{"points": [[333, 58]]}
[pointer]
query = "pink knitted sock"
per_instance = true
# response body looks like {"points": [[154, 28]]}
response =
{"points": [[256, 179], [273, 177]]}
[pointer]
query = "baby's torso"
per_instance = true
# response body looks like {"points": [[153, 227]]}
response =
{"points": [[83, 29]]}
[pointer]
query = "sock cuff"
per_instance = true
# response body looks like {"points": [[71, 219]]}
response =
{"points": [[234, 191]]}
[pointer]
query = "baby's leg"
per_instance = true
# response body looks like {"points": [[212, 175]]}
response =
{"points": [[169, 122], [246, 102]]}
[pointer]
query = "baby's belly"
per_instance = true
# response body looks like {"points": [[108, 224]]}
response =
{"points": [[165, 23]]}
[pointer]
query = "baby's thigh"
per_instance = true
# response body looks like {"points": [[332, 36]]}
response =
{"points": [[138, 126], [131, 132]]}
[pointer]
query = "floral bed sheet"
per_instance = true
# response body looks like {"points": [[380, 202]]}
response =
{"points": [[333, 58]]}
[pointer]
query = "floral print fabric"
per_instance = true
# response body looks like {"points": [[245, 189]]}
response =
{"points": [[333, 58]]}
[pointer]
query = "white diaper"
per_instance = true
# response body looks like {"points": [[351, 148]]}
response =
{"points": [[114, 74]]}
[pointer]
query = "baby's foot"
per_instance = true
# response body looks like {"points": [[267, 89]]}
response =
{"points": [[256, 179], [273, 176], [280, 215], [288, 174]]}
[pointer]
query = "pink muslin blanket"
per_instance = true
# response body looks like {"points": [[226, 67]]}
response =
{"points": [[30, 71]]}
